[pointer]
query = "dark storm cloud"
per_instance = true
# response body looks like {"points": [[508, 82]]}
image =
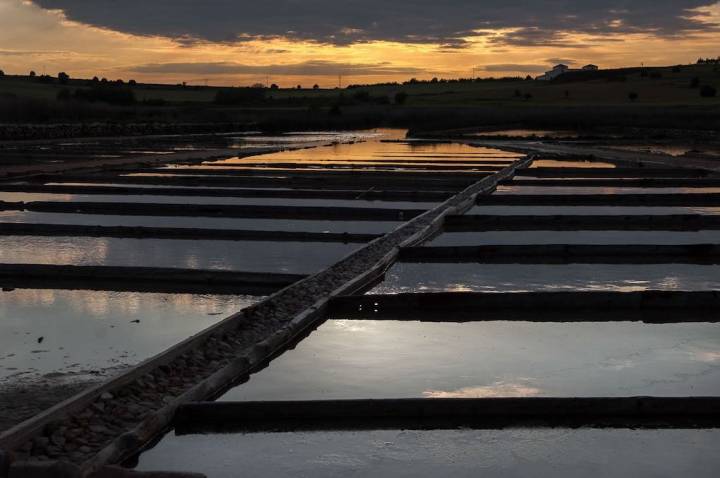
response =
{"points": [[308, 68], [446, 22]]}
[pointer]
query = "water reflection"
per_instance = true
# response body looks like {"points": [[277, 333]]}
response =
{"points": [[159, 199], [553, 163], [387, 359], [575, 237], [508, 453], [255, 256], [436, 277], [374, 149], [496, 390], [30, 217], [89, 331], [591, 210], [599, 190]]}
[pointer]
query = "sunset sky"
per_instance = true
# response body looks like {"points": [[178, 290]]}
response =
{"points": [[313, 41]]}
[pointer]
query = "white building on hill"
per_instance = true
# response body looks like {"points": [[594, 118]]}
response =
{"points": [[562, 69]]}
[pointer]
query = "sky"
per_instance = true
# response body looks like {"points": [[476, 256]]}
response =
{"points": [[332, 42]]}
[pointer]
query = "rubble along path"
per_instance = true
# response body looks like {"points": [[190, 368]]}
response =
{"points": [[109, 423]]}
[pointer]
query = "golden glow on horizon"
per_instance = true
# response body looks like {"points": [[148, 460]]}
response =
{"points": [[45, 41]]}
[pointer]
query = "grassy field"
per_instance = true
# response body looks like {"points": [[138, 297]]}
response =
{"points": [[668, 97]]}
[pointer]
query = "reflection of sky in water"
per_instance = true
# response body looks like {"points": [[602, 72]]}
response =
{"points": [[552, 163], [369, 227], [590, 210], [88, 330], [574, 237], [431, 277], [509, 453], [152, 199], [520, 133], [257, 256], [501, 190], [373, 150], [369, 359], [672, 150]]}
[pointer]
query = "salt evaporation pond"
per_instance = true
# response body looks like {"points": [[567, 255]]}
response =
{"points": [[346, 359], [249, 256]]}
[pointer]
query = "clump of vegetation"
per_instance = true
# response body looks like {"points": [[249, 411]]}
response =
{"points": [[108, 93], [240, 96], [708, 91]]}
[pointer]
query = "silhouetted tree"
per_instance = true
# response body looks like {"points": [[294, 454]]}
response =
{"points": [[95, 79], [299, 87], [2, 73], [132, 83], [528, 78], [708, 91], [316, 86], [33, 74], [63, 78], [274, 87]]}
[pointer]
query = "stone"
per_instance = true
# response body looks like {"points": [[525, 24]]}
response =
{"points": [[106, 396], [40, 444]]}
